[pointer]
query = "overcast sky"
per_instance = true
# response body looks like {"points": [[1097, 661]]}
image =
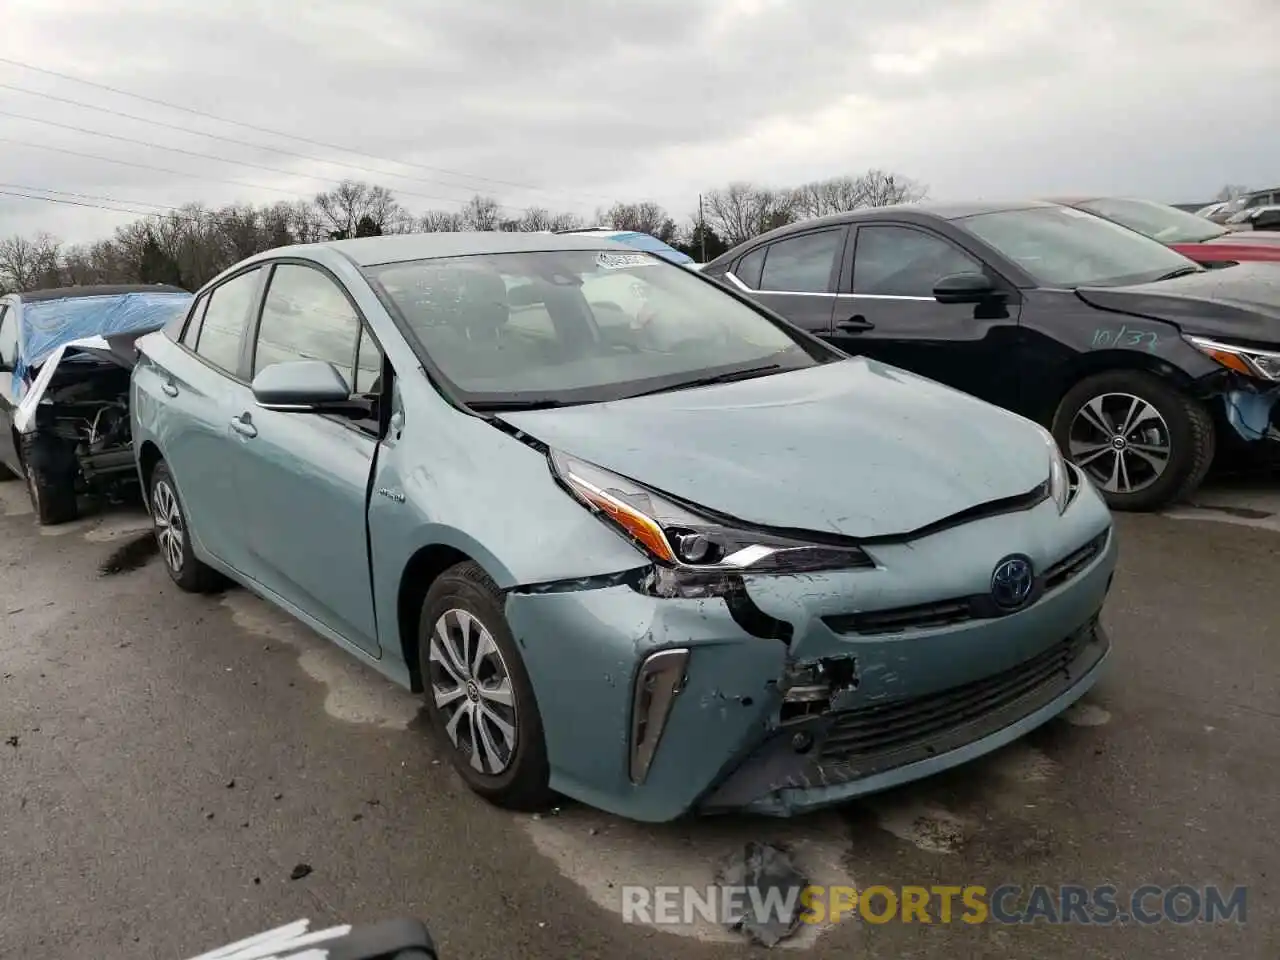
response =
{"points": [[596, 100]]}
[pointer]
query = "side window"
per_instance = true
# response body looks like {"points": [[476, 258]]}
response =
{"points": [[8, 336], [306, 316], [902, 262], [191, 335], [749, 267], [225, 320], [801, 264], [368, 364]]}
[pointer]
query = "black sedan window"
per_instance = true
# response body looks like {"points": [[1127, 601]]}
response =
{"points": [[1063, 247], [901, 262]]}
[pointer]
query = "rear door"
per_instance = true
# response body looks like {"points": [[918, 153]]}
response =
{"points": [[303, 478], [8, 401], [795, 276], [185, 394], [887, 311]]}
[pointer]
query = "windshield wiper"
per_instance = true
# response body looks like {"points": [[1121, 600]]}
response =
{"points": [[708, 381], [1180, 272]]}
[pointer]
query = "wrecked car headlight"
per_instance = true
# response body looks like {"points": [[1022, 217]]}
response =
{"points": [[1252, 362], [1059, 473], [687, 539]]}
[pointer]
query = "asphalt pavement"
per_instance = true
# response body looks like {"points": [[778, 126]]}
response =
{"points": [[169, 764]]}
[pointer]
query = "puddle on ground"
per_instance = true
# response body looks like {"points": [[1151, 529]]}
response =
{"points": [[1086, 715], [131, 555], [354, 693]]}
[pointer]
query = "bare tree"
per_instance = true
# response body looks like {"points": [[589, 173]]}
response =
{"points": [[481, 213], [566, 221], [441, 221], [29, 264], [1231, 191], [643, 217], [742, 211], [882, 189], [535, 219], [342, 208]]}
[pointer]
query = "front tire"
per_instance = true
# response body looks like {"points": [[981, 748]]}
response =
{"points": [[1143, 443], [51, 481], [173, 536], [480, 700]]}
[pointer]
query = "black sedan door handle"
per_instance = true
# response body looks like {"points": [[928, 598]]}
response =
{"points": [[854, 324]]}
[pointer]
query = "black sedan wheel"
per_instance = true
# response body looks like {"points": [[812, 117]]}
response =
{"points": [[1142, 442], [479, 698]]}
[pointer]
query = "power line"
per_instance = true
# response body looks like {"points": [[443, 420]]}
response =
{"points": [[88, 196], [146, 166], [204, 156], [266, 130], [233, 140], [76, 203]]}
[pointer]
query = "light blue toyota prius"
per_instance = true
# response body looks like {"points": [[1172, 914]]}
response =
{"points": [[636, 539]]}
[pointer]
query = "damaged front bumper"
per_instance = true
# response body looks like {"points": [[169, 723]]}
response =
{"points": [[656, 707]]}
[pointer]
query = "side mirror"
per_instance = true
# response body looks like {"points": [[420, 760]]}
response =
{"points": [[964, 288], [305, 386]]}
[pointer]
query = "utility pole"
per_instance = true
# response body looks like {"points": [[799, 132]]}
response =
{"points": [[702, 229]]}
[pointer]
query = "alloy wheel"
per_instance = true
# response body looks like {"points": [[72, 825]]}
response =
{"points": [[170, 533], [471, 688], [1122, 441]]}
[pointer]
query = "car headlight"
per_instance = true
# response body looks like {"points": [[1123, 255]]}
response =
{"points": [[691, 540], [1059, 473], [1264, 364]]}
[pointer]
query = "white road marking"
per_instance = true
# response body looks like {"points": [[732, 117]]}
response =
{"points": [[117, 528], [354, 692], [14, 499], [1083, 714], [1217, 516], [926, 826], [601, 853]]}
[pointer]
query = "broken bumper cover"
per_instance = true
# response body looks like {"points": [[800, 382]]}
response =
{"points": [[653, 708], [849, 754]]}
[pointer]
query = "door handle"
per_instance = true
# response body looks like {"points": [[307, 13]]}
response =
{"points": [[854, 324], [244, 426], [170, 388]]}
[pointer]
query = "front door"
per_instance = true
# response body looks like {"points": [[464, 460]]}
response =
{"points": [[303, 478], [887, 311]]}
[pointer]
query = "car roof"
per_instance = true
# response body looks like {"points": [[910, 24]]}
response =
{"points": [[907, 212], [372, 251], [103, 290]]}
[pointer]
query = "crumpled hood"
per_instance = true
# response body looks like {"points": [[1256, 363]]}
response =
{"points": [[852, 447], [1241, 302]]}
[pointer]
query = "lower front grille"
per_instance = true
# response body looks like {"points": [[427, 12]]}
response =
{"points": [[876, 733]]}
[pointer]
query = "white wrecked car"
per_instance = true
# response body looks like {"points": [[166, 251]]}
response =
{"points": [[65, 359]]}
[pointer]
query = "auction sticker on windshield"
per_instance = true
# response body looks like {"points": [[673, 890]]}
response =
{"points": [[620, 261]]}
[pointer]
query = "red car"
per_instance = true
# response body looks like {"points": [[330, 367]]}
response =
{"points": [[1202, 240]]}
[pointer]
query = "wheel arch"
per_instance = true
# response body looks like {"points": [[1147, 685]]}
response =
{"points": [[1109, 361], [421, 571], [148, 456]]}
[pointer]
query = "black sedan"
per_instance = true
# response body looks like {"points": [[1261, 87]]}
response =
{"points": [[1140, 361]]}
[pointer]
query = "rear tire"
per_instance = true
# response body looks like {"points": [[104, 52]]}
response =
{"points": [[1143, 443], [51, 481], [477, 713], [173, 537]]}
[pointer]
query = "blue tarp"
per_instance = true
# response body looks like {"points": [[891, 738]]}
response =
{"points": [[46, 325], [651, 244]]}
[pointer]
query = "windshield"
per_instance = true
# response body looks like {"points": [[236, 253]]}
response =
{"points": [[1065, 247], [1155, 220], [580, 326]]}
